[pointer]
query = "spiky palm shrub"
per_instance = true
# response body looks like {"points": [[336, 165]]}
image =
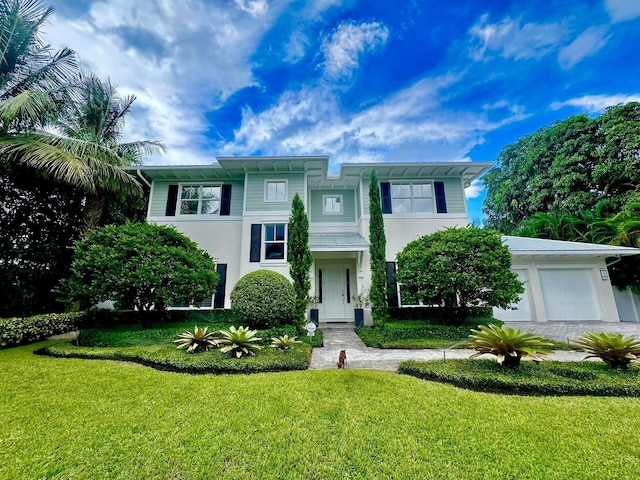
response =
{"points": [[284, 342], [509, 345], [614, 349], [241, 341], [199, 338]]}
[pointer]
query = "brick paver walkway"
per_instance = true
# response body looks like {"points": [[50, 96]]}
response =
{"points": [[361, 356]]}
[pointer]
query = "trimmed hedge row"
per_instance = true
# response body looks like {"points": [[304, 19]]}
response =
{"points": [[21, 331], [138, 335], [439, 315], [545, 378], [413, 334], [169, 358]]}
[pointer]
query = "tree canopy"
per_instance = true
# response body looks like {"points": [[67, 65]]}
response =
{"points": [[141, 265], [567, 168], [459, 267]]}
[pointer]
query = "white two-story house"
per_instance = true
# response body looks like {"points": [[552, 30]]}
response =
{"points": [[238, 209]]}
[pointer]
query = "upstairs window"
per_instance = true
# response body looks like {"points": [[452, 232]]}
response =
{"points": [[275, 191], [412, 198], [200, 200], [332, 204], [275, 241]]}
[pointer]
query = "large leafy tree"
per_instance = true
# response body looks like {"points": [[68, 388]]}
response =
{"points": [[377, 253], [459, 268], [142, 265], [567, 168], [299, 256], [38, 222]]}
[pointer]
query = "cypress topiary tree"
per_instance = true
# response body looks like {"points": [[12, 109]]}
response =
{"points": [[299, 256], [377, 254]]}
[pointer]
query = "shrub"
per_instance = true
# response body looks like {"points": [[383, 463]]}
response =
{"points": [[142, 265], [263, 299], [614, 349], [284, 342], [240, 341], [459, 267], [439, 315], [198, 338], [509, 345], [166, 357], [548, 378], [20, 331]]}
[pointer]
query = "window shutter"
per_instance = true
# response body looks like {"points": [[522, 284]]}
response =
{"points": [[441, 199], [385, 194], [225, 201], [218, 299], [392, 285], [172, 200], [256, 240]]}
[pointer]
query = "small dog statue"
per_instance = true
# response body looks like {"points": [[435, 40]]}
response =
{"points": [[342, 359]]}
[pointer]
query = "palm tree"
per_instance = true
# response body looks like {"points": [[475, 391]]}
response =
{"points": [[33, 93], [96, 118]]}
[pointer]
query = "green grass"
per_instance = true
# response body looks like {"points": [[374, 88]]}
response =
{"points": [[416, 334], [544, 378], [71, 418]]}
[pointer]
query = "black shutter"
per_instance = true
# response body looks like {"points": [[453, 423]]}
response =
{"points": [[392, 285], [441, 199], [172, 200], [385, 194], [225, 201], [256, 240], [218, 299]]}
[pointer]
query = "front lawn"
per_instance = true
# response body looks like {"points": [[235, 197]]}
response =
{"points": [[417, 334], [154, 347], [544, 378], [71, 418]]}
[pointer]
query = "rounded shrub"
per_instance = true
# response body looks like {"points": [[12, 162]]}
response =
{"points": [[263, 299]]}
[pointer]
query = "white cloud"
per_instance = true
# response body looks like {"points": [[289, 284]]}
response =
{"points": [[586, 44], [344, 47], [255, 8], [475, 189], [622, 10], [596, 103], [510, 39], [409, 125], [197, 55]]}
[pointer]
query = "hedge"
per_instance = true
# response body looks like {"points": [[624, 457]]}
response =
{"points": [[169, 358], [438, 315], [545, 378], [20, 331]]}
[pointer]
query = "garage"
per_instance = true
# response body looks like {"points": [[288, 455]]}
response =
{"points": [[564, 281], [569, 294]]}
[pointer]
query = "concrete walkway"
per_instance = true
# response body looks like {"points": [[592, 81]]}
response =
{"points": [[361, 356]]}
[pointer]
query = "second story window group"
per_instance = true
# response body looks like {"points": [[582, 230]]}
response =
{"points": [[200, 200], [412, 198]]}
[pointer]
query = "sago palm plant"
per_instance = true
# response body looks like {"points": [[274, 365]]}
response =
{"points": [[613, 348], [284, 342], [240, 341], [199, 338], [509, 345]]}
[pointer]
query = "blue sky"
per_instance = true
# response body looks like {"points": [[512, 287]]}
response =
{"points": [[360, 81]]}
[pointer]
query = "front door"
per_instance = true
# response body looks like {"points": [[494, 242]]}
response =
{"points": [[334, 293]]}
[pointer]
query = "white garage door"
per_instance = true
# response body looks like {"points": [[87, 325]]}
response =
{"points": [[569, 294], [522, 312]]}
